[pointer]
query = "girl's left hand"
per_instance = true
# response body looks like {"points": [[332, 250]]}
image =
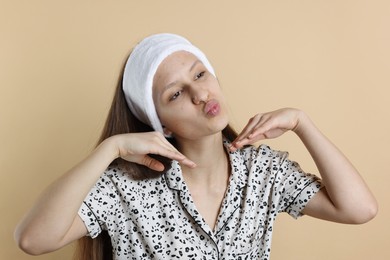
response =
{"points": [[267, 126]]}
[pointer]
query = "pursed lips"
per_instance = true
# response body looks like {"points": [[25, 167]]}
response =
{"points": [[212, 107]]}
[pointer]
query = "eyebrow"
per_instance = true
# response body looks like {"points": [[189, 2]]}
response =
{"points": [[194, 64], [175, 82]]}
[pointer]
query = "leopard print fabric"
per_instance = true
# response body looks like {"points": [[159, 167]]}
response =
{"points": [[157, 218]]}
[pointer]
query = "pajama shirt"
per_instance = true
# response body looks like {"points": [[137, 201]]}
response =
{"points": [[157, 218]]}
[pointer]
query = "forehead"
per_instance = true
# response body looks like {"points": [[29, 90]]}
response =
{"points": [[174, 62]]}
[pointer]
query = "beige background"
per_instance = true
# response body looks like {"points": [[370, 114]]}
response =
{"points": [[60, 60]]}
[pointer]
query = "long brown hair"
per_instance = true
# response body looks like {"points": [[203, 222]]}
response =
{"points": [[120, 120]]}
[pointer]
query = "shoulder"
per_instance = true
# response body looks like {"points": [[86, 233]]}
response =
{"points": [[262, 154], [118, 180]]}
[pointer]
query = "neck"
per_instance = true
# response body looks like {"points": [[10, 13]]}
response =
{"points": [[211, 159]]}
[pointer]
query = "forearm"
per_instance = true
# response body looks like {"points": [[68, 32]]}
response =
{"points": [[53, 214], [346, 189]]}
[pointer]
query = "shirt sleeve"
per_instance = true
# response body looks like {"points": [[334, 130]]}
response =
{"points": [[96, 210], [300, 192], [292, 187]]}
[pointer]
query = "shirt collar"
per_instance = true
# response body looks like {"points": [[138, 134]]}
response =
{"points": [[174, 177], [239, 170]]}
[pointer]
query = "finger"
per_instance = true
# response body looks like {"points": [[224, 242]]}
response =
{"points": [[260, 129], [252, 133], [176, 155], [159, 145], [248, 128], [188, 163], [152, 163], [248, 132], [171, 152], [259, 125], [247, 141]]}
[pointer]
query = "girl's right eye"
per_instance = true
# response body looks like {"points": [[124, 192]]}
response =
{"points": [[175, 96]]}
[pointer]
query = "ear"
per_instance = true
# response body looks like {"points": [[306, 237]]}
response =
{"points": [[167, 132]]}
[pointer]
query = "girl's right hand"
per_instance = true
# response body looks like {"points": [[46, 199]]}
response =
{"points": [[135, 147], [53, 221]]}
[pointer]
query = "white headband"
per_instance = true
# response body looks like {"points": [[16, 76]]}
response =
{"points": [[141, 67]]}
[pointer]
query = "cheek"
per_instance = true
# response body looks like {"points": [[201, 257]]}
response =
{"points": [[177, 120], [170, 115]]}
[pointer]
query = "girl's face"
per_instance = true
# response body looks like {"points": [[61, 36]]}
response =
{"points": [[187, 97]]}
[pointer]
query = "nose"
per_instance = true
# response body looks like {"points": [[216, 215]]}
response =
{"points": [[199, 95]]}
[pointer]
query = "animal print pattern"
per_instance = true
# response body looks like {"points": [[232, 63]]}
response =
{"points": [[157, 218]]}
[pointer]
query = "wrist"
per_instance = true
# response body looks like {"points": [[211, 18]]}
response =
{"points": [[110, 147], [303, 122]]}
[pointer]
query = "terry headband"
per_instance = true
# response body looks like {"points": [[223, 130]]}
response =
{"points": [[140, 68]]}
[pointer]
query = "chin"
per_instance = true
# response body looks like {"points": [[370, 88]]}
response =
{"points": [[222, 123], [218, 128]]}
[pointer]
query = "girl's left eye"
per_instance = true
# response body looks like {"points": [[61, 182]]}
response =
{"points": [[199, 75]]}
